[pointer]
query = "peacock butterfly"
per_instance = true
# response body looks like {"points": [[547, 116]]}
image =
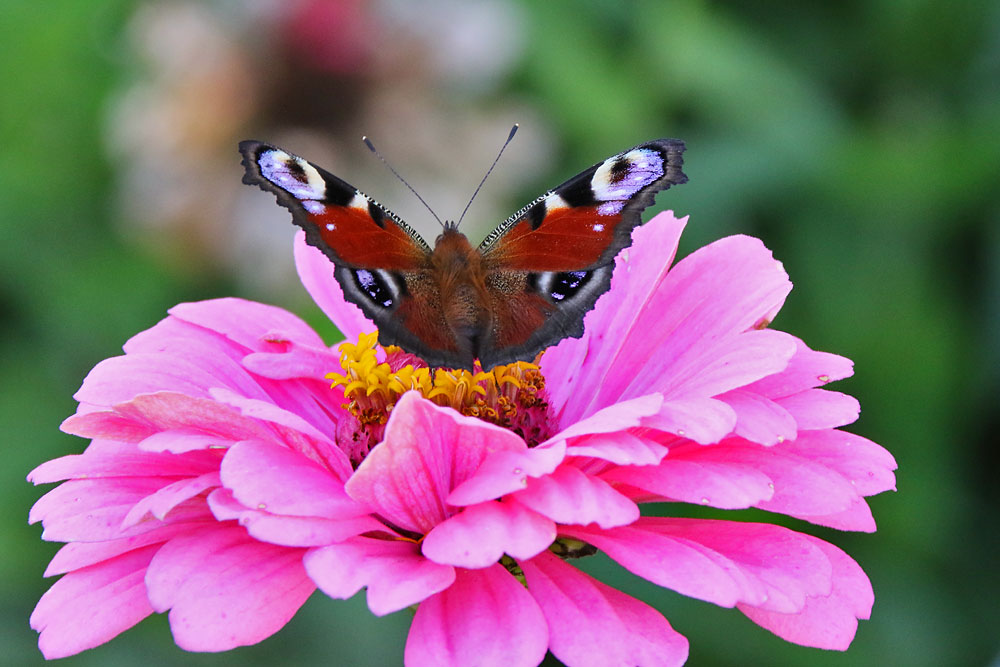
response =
{"points": [[527, 285]]}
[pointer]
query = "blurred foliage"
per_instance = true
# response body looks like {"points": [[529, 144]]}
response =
{"points": [[860, 140]]}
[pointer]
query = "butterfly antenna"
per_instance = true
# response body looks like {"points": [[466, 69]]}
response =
{"points": [[489, 171], [371, 147]]}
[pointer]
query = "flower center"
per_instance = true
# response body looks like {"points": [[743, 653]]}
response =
{"points": [[512, 396]]}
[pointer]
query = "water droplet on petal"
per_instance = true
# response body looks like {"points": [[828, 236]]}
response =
{"points": [[261, 506], [823, 378], [680, 431], [704, 501], [518, 471], [770, 485]]}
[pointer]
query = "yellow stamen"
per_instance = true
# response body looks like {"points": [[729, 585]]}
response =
{"points": [[509, 396]]}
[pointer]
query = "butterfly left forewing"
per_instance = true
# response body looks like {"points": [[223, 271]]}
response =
{"points": [[548, 264], [383, 265], [352, 229]]}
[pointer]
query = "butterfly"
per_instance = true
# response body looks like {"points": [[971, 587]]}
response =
{"points": [[524, 288]]}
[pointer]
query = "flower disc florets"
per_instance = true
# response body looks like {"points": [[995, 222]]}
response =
{"points": [[512, 395]]}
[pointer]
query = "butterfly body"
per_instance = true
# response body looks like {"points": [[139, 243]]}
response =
{"points": [[526, 286]]}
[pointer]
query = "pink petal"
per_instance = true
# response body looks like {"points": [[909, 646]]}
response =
{"points": [[316, 273], [427, 451], [576, 364], [688, 332], [185, 441], [857, 516], [160, 503], [289, 531], [166, 410], [459, 626], [303, 531], [481, 534], [508, 471], [266, 476], [593, 624], [92, 605], [759, 419], [729, 364], [618, 417], [703, 420], [268, 412], [124, 464], [807, 369], [814, 409], [77, 555], [294, 361], [394, 571], [830, 621], [715, 483], [568, 496], [867, 466], [119, 379], [802, 487], [224, 589], [173, 340], [92, 510], [244, 322], [623, 448], [723, 562]]}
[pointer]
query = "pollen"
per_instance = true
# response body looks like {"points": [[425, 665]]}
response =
{"points": [[374, 378]]}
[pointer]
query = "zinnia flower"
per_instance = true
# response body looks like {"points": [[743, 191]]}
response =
{"points": [[227, 480]]}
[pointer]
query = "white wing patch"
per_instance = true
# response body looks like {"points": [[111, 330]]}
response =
{"points": [[359, 201], [620, 177], [553, 202], [292, 174]]}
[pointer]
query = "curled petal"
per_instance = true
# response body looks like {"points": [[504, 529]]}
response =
{"points": [[482, 533], [394, 571], [270, 477], [568, 496], [508, 471]]}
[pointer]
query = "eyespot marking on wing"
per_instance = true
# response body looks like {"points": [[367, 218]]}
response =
{"points": [[380, 287]]}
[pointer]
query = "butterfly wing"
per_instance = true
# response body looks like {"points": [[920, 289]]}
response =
{"points": [[381, 263], [548, 263]]}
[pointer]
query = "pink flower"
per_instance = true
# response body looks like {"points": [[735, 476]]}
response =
{"points": [[226, 480]]}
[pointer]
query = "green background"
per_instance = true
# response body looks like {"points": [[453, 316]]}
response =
{"points": [[859, 140]]}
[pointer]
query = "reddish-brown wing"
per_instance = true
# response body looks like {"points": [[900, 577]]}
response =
{"points": [[352, 229], [380, 262], [548, 264]]}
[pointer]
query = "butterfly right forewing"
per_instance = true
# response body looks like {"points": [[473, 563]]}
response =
{"points": [[547, 265]]}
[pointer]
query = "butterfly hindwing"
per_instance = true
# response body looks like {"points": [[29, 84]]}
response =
{"points": [[547, 265], [381, 263]]}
